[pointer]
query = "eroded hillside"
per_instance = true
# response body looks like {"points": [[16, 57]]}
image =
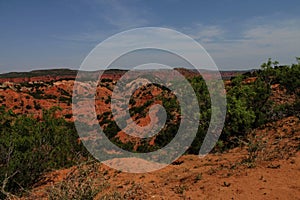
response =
{"points": [[257, 155]]}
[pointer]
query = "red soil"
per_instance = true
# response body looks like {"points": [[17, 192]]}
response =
{"points": [[216, 176]]}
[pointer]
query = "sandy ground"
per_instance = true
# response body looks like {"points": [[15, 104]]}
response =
{"points": [[222, 176], [273, 174]]}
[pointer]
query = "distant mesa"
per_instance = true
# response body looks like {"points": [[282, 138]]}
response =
{"points": [[69, 74], [50, 75]]}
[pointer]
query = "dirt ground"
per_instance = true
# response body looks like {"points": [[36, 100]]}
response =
{"points": [[270, 172]]}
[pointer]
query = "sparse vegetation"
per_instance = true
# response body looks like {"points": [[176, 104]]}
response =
{"points": [[83, 182], [30, 147]]}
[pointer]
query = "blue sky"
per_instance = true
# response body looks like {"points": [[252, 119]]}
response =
{"points": [[39, 34]]}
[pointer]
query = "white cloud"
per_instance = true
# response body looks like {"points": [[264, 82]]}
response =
{"points": [[123, 16], [253, 45], [115, 15], [204, 33]]}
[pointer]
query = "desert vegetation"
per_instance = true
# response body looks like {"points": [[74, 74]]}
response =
{"points": [[31, 146]]}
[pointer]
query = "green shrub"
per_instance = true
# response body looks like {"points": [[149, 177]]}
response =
{"points": [[30, 148]]}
